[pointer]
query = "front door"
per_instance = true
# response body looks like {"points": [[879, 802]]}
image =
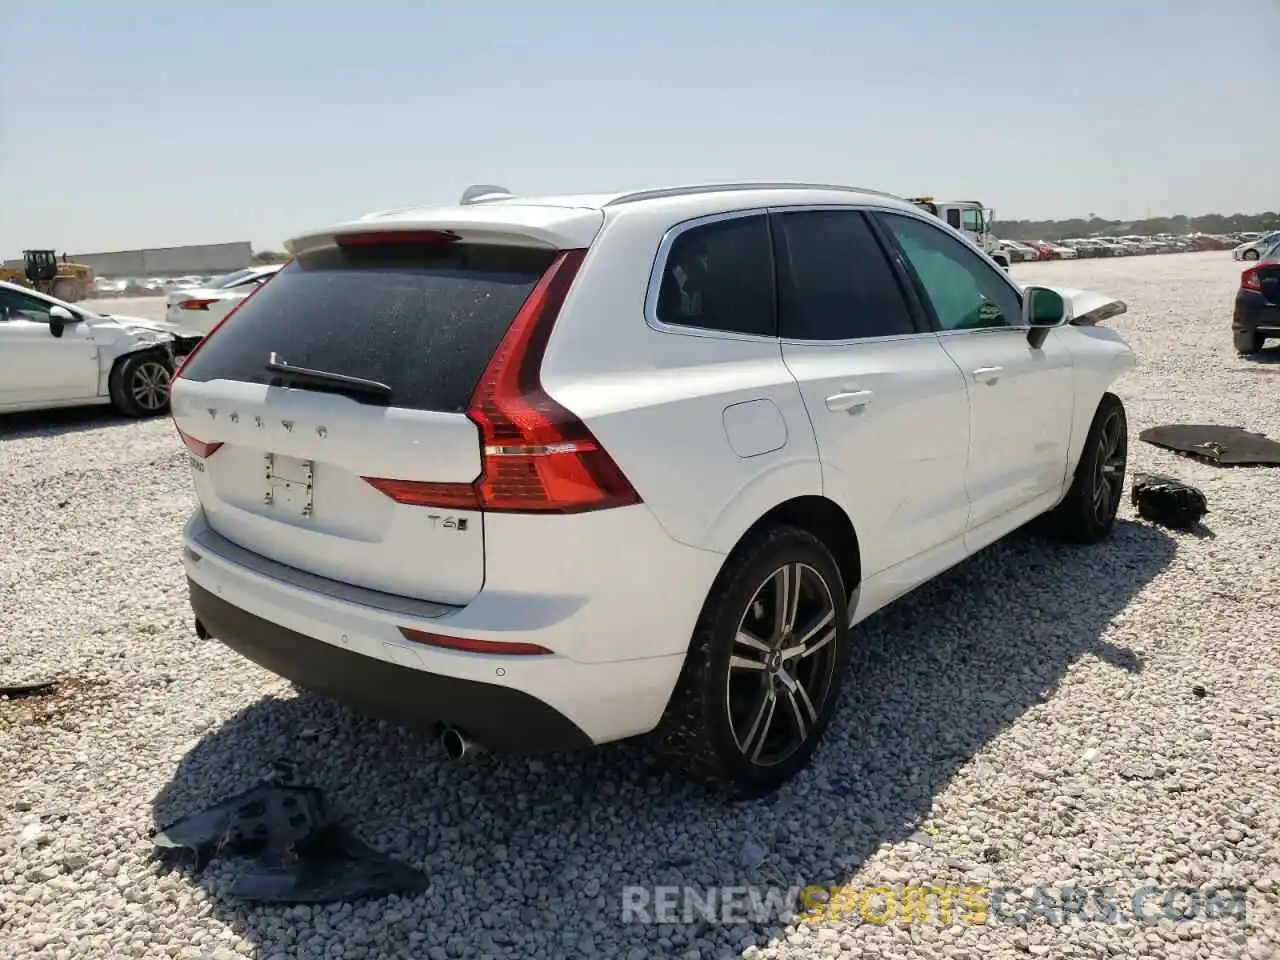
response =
{"points": [[36, 366], [1021, 397], [887, 404]]}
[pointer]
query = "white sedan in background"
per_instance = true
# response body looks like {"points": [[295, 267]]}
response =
{"points": [[53, 354], [199, 309], [1253, 249]]}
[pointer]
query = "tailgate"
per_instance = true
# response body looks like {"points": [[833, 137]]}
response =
{"points": [[286, 482], [289, 475]]}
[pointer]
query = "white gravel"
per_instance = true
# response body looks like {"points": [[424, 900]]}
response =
{"points": [[1027, 720]]}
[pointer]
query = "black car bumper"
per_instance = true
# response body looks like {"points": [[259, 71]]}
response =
{"points": [[495, 717], [1255, 314]]}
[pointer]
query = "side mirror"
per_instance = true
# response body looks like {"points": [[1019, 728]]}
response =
{"points": [[1042, 310], [59, 317]]}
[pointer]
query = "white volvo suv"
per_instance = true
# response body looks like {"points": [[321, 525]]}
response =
{"points": [[546, 473]]}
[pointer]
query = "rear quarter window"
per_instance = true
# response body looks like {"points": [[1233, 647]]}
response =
{"points": [[719, 276], [424, 320]]}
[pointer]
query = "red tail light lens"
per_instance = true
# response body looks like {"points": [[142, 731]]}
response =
{"points": [[195, 304], [199, 447], [1249, 280], [537, 456]]}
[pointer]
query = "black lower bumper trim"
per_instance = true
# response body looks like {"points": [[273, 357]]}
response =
{"points": [[496, 717]]}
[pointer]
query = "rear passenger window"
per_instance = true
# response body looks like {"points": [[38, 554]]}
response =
{"points": [[425, 320], [834, 280], [719, 276]]}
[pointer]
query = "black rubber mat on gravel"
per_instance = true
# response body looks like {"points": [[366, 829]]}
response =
{"points": [[1226, 446]]}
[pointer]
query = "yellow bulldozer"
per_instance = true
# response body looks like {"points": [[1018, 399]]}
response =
{"points": [[45, 272]]}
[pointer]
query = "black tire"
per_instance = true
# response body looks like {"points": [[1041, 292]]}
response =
{"points": [[1247, 341], [698, 734], [1088, 513], [1250, 255], [135, 387]]}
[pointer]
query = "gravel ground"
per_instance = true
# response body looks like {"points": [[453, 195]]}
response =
{"points": [[1038, 716]]}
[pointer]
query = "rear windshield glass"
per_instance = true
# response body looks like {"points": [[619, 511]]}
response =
{"points": [[425, 320]]}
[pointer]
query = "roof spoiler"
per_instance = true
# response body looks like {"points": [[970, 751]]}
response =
{"points": [[481, 192]]}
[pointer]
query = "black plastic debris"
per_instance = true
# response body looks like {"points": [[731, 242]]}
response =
{"points": [[1167, 501], [301, 853], [1225, 446], [28, 688]]}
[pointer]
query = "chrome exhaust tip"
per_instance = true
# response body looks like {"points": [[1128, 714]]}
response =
{"points": [[456, 744]]}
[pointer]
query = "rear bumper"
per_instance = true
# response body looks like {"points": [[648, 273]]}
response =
{"points": [[495, 716], [1254, 314], [618, 648]]}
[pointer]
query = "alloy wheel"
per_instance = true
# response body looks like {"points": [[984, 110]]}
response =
{"points": [[781, 669], [150, 386], [1108, 481]]}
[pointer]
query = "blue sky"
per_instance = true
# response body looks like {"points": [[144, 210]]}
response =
{"points": [[146, 123]]}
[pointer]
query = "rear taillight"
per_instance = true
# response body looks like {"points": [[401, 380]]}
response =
{"points": [[195, 304], [200, 448], [537, 457], [1250, 280]]}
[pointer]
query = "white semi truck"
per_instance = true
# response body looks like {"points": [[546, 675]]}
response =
{"points": [[971, 218]]}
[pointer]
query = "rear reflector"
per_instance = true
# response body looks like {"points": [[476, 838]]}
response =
{"points": [[199, 447], [537, 457], [384, 238], [504, 648], [195, 304]]}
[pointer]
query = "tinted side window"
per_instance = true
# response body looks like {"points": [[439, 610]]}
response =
{"points": [[953, 218], [972, 220], [719, 276], [966, 292], [834, 281], [18, 306]]}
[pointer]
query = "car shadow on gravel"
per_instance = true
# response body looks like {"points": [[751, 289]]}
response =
{"points": [[531, 856], [53, 423], [1265, 360]]}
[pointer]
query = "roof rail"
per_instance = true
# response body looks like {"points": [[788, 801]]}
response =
{"points": [[668, 192], [481, 192]]}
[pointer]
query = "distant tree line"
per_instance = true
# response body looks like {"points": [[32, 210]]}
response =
{"points": [[261, 257], [1213, 223]]}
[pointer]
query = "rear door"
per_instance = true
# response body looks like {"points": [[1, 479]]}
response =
{"points": [[287, 479], [888, 406]]}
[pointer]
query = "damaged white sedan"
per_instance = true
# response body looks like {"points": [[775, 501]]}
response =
{"points": [[53, 354]]}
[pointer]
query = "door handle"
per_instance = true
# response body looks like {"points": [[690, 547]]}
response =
{"points": [[850, 400], [988, 374]]}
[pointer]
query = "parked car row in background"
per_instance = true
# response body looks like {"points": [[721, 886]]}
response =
{"points": [[164, 286], [1243, 246]]}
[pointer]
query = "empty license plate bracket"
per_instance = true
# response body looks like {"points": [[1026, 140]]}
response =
{"points": [[290, 484]]}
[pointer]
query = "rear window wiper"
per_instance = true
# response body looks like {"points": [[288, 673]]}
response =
{"points": [[357, 388]]}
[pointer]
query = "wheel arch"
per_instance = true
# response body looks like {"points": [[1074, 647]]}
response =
{"points": [[115, 360], [824, 519]]}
